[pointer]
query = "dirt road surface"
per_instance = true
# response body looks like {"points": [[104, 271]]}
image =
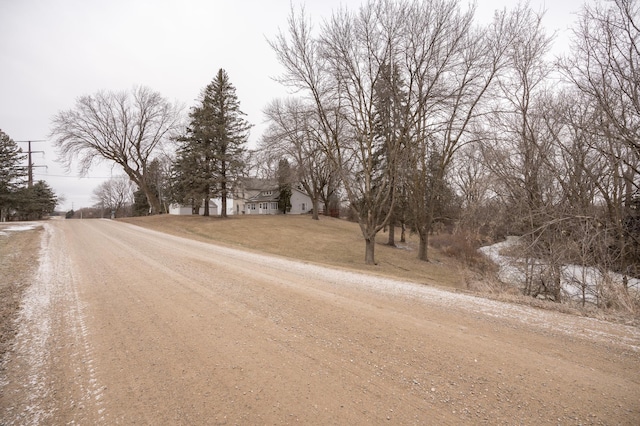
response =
{"points": [[124, 325]]}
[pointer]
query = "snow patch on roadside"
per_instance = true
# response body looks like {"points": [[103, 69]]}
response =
{"points": [[32, 344], [576, 281], [4, 230], [51, 317]]}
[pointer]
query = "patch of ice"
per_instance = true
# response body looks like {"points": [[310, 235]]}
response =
{"points": [[577, 282], [21, 227]]}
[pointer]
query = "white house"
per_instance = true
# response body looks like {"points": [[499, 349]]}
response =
{"points": [[252, 196], [300, 202], [249, 188], [266, 202], [231, 205]]}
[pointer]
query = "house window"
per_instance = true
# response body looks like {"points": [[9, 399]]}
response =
{"points": [[268, 192], [253, 206], [304, 207], [274, 206]]}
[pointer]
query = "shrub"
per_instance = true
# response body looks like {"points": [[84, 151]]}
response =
{"points": [[462, 246]]}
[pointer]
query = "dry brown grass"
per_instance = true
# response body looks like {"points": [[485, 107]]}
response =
{"points": [[19, 253], [329, 241]]}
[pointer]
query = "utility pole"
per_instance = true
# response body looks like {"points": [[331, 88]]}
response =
{"points": [[30, 165]]}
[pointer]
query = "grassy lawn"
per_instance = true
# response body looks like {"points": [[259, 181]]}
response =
{"points": [[329, 241]]}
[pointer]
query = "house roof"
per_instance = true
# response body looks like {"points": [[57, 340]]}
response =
{"points": [[262, 197], [257, 184], [275, 194]]}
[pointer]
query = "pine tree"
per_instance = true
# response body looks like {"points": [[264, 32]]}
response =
{"points": [[389, 128], [11, 174], [284, 185], [35, 202], [230, 132], [212, 151], [189, 180]]}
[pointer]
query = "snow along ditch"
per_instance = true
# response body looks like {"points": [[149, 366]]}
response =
{"points": [[4, 230], [573, 277], [51, 305]]}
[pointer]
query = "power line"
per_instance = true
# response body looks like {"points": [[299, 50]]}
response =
{"points": [[30, 165], [75, 177]]}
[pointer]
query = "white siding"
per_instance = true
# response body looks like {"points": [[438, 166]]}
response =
{"points": [[178, 209], [231, 205], [300, 202], [213, 209]]}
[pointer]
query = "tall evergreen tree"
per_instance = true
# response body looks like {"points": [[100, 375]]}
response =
{"points": [[284, 185], [230, 132], [213, 149], [189, 177], [11, 173], [390, 127]]}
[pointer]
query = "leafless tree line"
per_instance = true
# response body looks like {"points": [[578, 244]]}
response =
{"points": [[415, 106]]}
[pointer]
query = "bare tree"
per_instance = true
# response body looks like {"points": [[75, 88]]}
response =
{"points": [[521, 144], [338, 71], [605, 64], [481, 210], [604, 67], [125, 128], [114, 195], [600, 183], [453, 67], [293, 134]]}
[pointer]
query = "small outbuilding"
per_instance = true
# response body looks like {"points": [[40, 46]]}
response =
{"points": [[187, 210]]}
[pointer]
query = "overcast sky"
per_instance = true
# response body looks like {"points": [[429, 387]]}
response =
{"points": [[53, 51]]}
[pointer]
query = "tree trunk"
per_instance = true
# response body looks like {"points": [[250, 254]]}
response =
{"points": [[392, 234], [369, 254], [152, 199], [403, 236], [223, 198], [316, 204], [206, 206], [423, 245], [138, 179], [223, 190]]}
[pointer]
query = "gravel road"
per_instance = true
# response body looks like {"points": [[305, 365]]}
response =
{"points": [[124, 325]]}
